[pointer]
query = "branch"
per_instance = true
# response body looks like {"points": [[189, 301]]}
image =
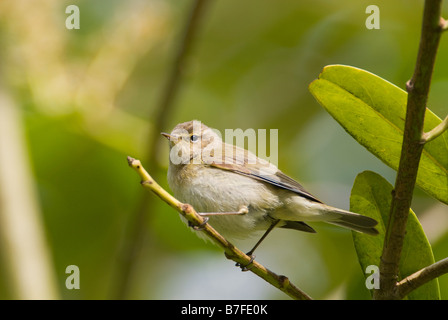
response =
{"points": [[171, 88], [133, 241], [437, 131], [26, 255], [419, 278], [418, 90], [231, 252]]}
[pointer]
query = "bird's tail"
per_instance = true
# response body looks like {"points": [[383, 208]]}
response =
{"points": [[353, 221]]}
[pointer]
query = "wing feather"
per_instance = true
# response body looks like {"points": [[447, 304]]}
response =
{"points": [[244, 162]]}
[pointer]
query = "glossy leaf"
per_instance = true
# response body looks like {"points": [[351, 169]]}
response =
{"points": [[371, 196], [372, 110]]}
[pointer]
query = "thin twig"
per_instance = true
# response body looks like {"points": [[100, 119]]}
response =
{"points": [[437, 131], [231, 252], [443, 24], [418, 90], [138, 224], [419, 278]]}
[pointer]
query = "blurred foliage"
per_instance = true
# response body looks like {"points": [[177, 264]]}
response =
{"points": [[88, 98]]}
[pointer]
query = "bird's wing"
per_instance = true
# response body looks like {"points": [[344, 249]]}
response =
{"points": [[243, 162]]}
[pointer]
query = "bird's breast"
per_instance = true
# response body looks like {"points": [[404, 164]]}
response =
{"points": [[210, 189]]}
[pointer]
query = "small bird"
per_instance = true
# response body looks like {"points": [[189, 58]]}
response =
{"points": [[241, 193]]}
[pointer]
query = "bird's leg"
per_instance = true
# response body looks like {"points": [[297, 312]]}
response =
{"points": [[241, 211], [251, 252]]}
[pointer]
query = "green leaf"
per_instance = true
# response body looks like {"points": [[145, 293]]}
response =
{"points": [[372, 111], [371, 196]]}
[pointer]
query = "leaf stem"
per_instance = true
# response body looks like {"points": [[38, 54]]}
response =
{"points": [[231, 252], [437, 131]]}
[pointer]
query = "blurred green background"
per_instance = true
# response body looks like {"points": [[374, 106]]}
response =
{"points": [[79, 101]]}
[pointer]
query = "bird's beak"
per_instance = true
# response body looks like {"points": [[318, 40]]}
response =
{"points": [[166, 135], [172, 139]]}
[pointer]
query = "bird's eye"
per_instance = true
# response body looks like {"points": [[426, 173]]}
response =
{"points": [[194, 138]]}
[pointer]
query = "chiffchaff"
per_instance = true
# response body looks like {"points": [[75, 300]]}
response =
{"points": [[241, 193]]}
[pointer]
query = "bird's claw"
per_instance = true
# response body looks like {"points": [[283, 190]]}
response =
{"points": [[247, 266], [199, 227]]}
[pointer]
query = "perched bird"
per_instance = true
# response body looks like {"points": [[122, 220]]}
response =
{"points": [[241, 193]]}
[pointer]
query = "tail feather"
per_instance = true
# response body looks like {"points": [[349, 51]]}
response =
{"points": [[372, 231], [354, 221]]}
